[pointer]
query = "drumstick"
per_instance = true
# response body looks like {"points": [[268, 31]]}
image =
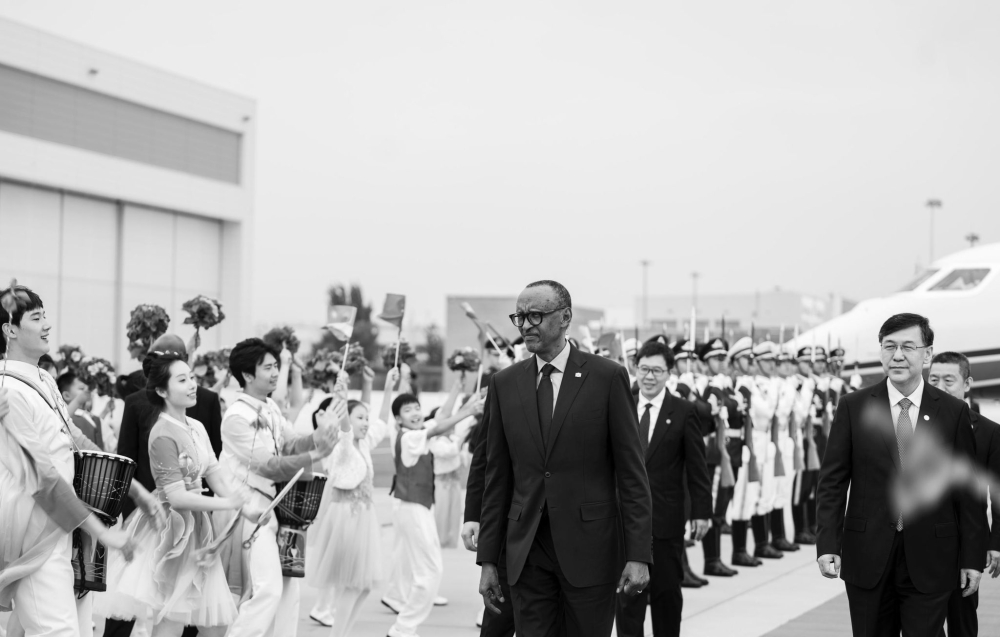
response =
{"points": [[274, 503]]}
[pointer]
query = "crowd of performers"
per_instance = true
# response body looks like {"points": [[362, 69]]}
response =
{"points": [[193, 520]]}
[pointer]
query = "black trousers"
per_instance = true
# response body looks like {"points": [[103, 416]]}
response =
{"points": [[119, 628], [501, 625], [663, 595], [963, 615], [547, 605], [895, 604]]}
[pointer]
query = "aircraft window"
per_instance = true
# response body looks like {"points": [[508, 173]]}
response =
{"points": [[915, 283], [962, 279]]}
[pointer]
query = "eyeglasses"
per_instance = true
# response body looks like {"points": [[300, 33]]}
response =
{"points": [[658, 372], [908, 348], [534, 318]]}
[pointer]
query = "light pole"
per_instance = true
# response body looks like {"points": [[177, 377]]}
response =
{"points": [[694, 290], [972, 238], [931, 205], [645, 291]]}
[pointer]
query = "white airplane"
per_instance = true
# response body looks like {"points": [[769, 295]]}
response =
{"points": [[959, 293]]}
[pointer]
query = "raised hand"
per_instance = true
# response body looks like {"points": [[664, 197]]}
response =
{"points": [[368, 376]]}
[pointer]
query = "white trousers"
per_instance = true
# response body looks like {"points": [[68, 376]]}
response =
{"points": [[273, 607], [448, 505], [416, 551], [784, 484], [45, 603], [747, 495]]}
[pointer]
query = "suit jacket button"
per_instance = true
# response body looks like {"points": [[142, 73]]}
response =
{"points": [[548, 475]]}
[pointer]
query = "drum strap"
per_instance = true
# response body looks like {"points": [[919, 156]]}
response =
{"points": [[48, 401]]}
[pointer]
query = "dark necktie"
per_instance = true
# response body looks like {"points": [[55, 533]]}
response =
{"points": [[904, 432], [644, 427], [546, 401]]}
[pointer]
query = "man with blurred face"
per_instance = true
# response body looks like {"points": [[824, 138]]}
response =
{"points": [[950, 372], [671, 435], [899, 571]]}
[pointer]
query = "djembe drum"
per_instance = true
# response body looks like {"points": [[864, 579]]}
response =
{"points": [[102, 481], [296, 512]]}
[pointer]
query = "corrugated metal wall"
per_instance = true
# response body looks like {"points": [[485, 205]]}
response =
{"points": [[54, 111]]}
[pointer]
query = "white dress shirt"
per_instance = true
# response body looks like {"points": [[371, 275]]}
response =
{"points": [[559, 362], [895, 396], [654, 411]]}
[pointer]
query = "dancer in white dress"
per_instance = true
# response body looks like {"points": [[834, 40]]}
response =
{"points": [[176, 575], [344, 558]]}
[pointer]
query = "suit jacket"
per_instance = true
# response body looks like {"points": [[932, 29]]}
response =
{"points": [[590, 475], [476, 483], [987, 435], [138, 418], [862, 455], [675, 450]]}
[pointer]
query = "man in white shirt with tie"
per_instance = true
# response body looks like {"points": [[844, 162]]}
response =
{"points": [[899, 571], [673, 446]]}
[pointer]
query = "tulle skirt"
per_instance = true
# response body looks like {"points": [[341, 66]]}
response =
{"points": [[165, 576], [344, 544]]}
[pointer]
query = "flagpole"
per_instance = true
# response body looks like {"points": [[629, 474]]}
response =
{"points": [[479, 379]]}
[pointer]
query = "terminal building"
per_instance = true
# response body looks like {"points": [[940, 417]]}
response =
{"points": [[121, 184]]}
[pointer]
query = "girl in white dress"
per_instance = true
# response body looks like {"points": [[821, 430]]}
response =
{"points": [[344, 557], [173, 576]]}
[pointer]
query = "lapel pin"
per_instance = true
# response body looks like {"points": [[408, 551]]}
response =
{"points": [[578, 374], [668, 421], [926, 417]]}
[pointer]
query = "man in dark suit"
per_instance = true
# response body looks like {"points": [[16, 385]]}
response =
{"points": [[138, 418], [565, 480], [899, 571], [670, 432], [494, 625], [950, 373]]}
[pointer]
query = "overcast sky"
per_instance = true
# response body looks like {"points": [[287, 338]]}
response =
{"points": [[434, 148]]}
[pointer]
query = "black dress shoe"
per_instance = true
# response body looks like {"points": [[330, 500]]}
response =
{"points": [[716, 568], [690, 582], [768, 552], [743, 558], [700, 580], [805, 538], [784, 545], [725, 529]]}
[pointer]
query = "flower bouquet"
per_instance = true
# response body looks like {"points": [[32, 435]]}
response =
{"points": [[406, 354], [69, 357], [205, 313], [464, 360], [146, 324], [324, 365], [98, 374], [282, 338]]}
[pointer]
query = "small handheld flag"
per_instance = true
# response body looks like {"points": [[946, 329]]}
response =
{"points": [[393, 310], [340, 321]]}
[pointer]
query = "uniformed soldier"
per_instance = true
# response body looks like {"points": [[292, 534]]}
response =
{"points": [[787, 460], [757, 402], [807, 422], [724, 449]]}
